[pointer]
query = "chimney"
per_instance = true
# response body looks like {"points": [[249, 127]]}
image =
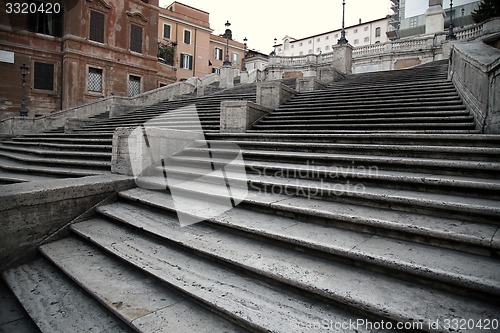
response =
{"points": [[360, 21]]}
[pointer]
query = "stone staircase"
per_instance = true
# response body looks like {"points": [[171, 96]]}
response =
{"points": [[87, 151], [334, 227], [415, 100]]}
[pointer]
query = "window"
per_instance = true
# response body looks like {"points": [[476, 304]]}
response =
{"points": [[327, 47], [45, 23], [292, 46], [301, 53], [310, 51], [377, 32], [355, 31], [187, 37], [318, 39], [300, 44], [186, 61], [413, 22], [136, 38], [356, 41], [43, 76], [236, 58], [94, 80], [365, 28], [318, 50], [310, 42], [218, 53], [287, 44], [96, 32], [134, 85], [167, 31], [367, 39], [336, 35], [327, 37]]}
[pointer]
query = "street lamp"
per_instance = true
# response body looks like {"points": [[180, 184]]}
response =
{"points": [[342, 39], [24, 72], [451, 35], [244, 67], [227, 33]]}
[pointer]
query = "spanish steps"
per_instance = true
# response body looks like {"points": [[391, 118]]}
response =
{"points": [[374, 200]]}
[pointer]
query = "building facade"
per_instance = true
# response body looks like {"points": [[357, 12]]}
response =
{"points": [[196, 51], [90, 49], [361, 34]]}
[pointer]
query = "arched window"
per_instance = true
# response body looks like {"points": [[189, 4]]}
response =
{"points": [[287, 44]]}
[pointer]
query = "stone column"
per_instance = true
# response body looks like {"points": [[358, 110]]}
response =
{"points": [[434, 17]]}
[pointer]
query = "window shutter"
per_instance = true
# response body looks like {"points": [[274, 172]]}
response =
{"points": [[190, 58], [182, 60], [44, 76], [97, 26], [136, 38]]}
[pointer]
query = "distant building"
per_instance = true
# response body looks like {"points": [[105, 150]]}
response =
{"points": [[256, 60], [197, 52], [88, 50], [409, 17], [364, 33]]}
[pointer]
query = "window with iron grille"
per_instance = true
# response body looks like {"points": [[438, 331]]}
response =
{"points": [[94, 80], [134, 85], [136, 38], [96, 32], [43, 76]]}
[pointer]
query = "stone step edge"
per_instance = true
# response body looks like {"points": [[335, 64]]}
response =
{"points": [[432, 273]]}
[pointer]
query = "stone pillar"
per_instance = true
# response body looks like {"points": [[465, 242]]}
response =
{"points": [[342, 58], [309, 84], [227, 75], [238, 116], [434, 17], [273, 94]]}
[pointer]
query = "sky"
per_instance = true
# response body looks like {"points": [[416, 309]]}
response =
{"points": [[260, 21]]}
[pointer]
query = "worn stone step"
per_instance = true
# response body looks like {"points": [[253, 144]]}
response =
{"points": [[442, 99], [463, 270], [396, 149], [92, 155], [29, 159], [58, 146], [446, 91], [276, 120], [453, 233], [373, 177], [8, 177], [336, 282], [384, 162], [368, 115], [401, 126], [373, 87], [444, 205], [143, 303], [475, 140], [23, 170], [368, 131], [13, 317], [56, 304], [246, 300], [345, 108]]}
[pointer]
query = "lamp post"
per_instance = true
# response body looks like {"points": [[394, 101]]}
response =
{"points": [[227, 33], [342, 39], [244, 65], [451, 35], [24, 72]]}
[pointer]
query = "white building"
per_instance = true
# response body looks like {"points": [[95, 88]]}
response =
{"points": [[364, 33]]}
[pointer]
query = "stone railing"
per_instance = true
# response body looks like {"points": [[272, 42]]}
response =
{"points": [[469, 32], [419, 44], [115, 105]]}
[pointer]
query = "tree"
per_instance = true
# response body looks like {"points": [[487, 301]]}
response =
{"points": [[486, 10], [166, 52]]}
